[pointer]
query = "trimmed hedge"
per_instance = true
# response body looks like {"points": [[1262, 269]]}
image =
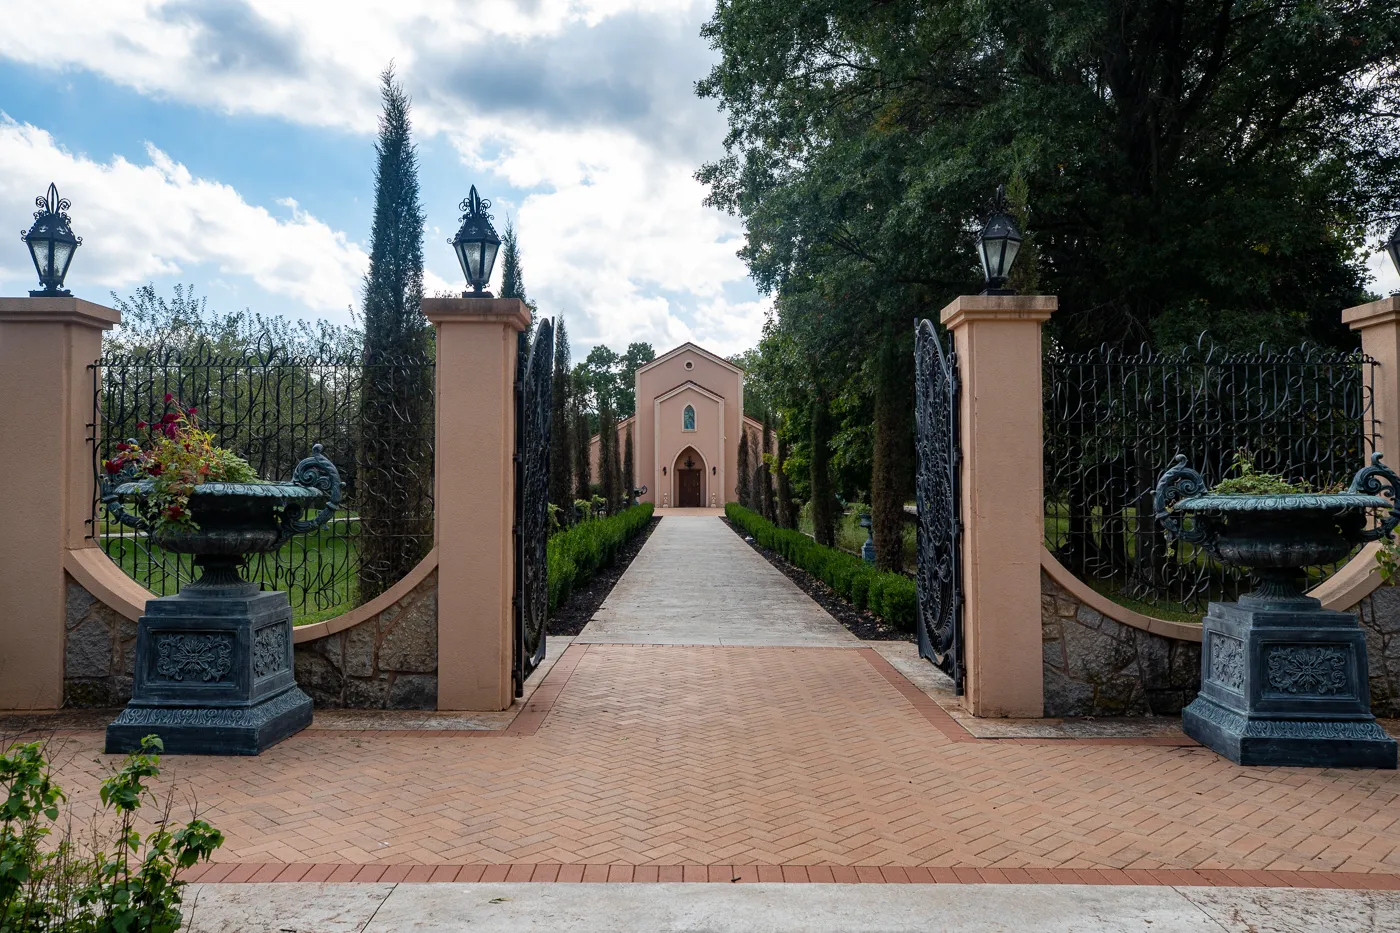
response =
{"points": [[889, 595], [577, 554]]}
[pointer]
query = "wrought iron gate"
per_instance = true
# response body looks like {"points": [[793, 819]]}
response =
{"points": [[938, 494], [532, 409]]}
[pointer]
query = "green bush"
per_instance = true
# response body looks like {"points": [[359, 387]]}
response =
{"points": [[63, 884], [891, 596], [575, 555]]}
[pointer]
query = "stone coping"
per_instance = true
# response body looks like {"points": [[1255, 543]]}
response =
{"points": [[1341, 591], [101, 577]]}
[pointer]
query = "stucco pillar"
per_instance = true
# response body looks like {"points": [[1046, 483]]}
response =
{"points": [[998, 344], [474, 496], [1379, 325], [46, 392]]}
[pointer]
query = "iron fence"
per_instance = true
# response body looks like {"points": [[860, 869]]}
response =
{"points": [[1113, 422], [373, 418]]}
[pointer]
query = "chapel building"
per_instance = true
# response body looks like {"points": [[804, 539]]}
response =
{"points": [[685, 433]]}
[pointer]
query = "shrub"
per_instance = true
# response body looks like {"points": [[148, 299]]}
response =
{"points": [[575, 555], [55, 886], [889, 595]]}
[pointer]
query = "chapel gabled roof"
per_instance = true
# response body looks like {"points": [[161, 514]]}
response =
{"points": [[694, 348]]}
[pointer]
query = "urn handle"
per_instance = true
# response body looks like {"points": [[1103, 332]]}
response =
{"points": [[1177, 483], [1377, 479], [315, 472], [107, 488]]}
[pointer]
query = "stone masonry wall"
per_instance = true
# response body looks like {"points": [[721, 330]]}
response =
{"points": [[1097, 666], [389, 661], [99, 656]]}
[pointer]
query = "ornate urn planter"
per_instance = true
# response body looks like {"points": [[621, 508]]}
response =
{"points": [[1283, 680], [214, 662]]}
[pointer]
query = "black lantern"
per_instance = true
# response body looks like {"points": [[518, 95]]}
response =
{"points": [[1392, 246], [998, 244], [51, 243], [476, 244]]}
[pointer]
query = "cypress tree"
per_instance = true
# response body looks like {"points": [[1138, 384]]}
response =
{"points": [[578, 424], [561, 457], [744, 468], [629, 479], [890, 474], [607, 440], [823, 496], [620, 495], [786, 517], [394, 500], [765, 470]]}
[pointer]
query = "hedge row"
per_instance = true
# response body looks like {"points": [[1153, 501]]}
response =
{"points": [[889, 595], [577, 554]]}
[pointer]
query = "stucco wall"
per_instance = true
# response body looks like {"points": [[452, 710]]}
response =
{"points": [[1095, 665], [388, 661]]}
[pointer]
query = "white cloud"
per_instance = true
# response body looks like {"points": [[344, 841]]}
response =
{"points": [[141, 222], [1385, 278]]}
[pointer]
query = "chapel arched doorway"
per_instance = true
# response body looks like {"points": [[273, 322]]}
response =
{"points": [[689, 471]]}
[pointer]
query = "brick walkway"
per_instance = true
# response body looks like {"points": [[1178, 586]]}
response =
{"points": [[803, 760], [715, 756]]}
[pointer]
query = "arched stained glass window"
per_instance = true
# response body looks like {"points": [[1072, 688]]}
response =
{"points": [[688, 418]]}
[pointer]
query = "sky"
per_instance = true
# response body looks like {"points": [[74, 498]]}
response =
{"points": [[229, 144]]}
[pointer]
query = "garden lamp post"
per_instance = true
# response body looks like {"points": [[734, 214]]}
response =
{"points": [[997, 245], [476, 244], [51, 244]]}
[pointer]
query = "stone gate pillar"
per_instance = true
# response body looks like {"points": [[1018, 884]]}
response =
{"points": [[474, 493], [46, 418], [1379, 325], [998, 344]]}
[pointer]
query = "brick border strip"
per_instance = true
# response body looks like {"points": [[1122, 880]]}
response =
{"points": [[954, 731], [255, 872]]}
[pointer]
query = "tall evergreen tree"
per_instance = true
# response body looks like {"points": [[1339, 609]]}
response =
{"points": [[823, 496], [629, 479], [561, 456], [607, 458], [765, 470], [786, 518], [582, 436], [620, 493], [745, 469], [394, 499], [512, 276]]}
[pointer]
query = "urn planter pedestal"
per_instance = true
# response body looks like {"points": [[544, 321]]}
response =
{"points": [[214, 673], [1284, 682]]}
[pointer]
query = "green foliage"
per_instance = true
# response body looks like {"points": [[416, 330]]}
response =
{"points": [[1247, 481], [396, 414], [575, 555], [56, 886], [889, 595], [608, 378]]}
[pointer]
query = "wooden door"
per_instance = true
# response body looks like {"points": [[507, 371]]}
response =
{"points": [[688, 493]]}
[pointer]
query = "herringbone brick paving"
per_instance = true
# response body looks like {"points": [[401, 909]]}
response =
{"points": [[720, 756]]}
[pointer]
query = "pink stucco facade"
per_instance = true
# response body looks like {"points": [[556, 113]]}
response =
{"points": [[671, 449]]}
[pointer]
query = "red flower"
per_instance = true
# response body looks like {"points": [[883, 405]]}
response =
{"points": [[170, 418], [141, 425], [112, 466], [169, 397], [154, 469], [123, 446], [190, 411]]}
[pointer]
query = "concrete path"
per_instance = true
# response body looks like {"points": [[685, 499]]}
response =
{"points": [[697, 583], [777, 908]]}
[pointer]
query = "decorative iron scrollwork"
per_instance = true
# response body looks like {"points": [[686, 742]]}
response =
{"points": [[938, 493], [315, 472], [1377, 479], [1178, 483], [532, 421]]}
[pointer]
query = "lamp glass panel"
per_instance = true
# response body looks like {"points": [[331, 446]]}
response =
{"points": [[1392, 246], [62, 256], [1009, 257], [488, 261], [473, 251], [39, 253]]}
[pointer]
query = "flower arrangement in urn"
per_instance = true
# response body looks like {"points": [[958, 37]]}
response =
{"points": [[178, 456]]}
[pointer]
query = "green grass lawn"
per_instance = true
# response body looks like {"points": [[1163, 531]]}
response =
{"points": [[319, 571]]}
